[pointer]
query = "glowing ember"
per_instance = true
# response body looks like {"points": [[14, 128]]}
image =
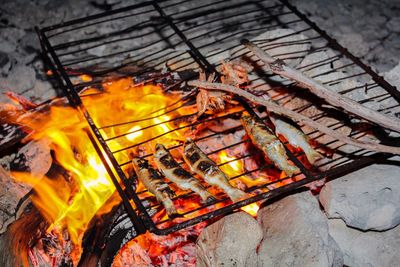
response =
{"points": [[234, 167], [132, 119], [71, 205], [135, 132], [86, 78]]}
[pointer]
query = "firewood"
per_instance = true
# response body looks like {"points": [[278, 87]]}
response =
{"points": [[275, 108], [279, 67], [13, 199]]}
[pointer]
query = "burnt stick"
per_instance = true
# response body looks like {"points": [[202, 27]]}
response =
{"points": [[273, 107], [279, 67]]}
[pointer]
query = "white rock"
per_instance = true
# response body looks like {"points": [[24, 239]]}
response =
{"points": [[367, 199], [37, 156], [20, 79], [296, 234], [355, 43], [372, 249], [284, 44], [231, 241], [393, 76], [394, 24]]}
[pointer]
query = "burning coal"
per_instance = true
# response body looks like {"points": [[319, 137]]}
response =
{"points": [[71, 204]]}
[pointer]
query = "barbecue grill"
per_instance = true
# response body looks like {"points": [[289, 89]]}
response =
{"points": [[147, 34]]}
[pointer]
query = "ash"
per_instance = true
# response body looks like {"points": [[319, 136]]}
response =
{"points": [[369, 29]]}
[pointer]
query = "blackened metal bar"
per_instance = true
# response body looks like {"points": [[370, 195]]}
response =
{"points": [[193, 51], [77, 103], [137, 222], [377, 78], [97, 16]]}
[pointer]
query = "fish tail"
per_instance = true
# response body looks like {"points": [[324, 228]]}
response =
{"points": [[312, 155], [236, 194], [209, 199], [290, 170], [170, 208]]}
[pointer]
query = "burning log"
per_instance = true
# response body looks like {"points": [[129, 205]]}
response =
{"points": [[13, 199], [296, 116], [279, 67]]}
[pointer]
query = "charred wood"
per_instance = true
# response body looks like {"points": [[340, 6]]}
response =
{"points": [[323, 91], [275, 108]]}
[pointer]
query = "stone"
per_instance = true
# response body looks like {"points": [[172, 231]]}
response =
{"points": [[3, 59], [372, 249], [393, 76], [11, 199], [20, 79], [231, 241], [296, 234], [367, 199], [355, 43], [296, 45], [394, 24], [36, 156]]}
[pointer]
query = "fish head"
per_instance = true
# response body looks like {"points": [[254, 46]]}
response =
{"points": [[246, 118], [160, 151], [139, 163], [188, 143]]}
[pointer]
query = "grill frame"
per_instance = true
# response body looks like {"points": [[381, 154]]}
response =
{"points": [[143, 220]]}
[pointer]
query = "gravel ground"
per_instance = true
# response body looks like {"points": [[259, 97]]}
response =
{"points": [[370, 29]]}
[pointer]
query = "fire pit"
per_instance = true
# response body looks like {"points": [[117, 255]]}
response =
{"points": [[128, 86]]}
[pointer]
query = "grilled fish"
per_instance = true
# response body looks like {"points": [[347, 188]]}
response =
{"points": [[155, 184], [262, 138], [206, 168], [296, 138], [175, 173]]}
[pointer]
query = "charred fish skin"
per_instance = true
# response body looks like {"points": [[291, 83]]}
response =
{"points": [[208, 169], [262, 137], [175, 173], [296, 138], [155, 184]]}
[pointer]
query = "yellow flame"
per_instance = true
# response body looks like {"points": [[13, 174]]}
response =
{"points": [[251, 209], [135, 132], [72, 204], [86, 78], [234, 167]]}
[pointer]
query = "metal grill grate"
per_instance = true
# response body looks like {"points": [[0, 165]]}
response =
{"points": [[192, 34]]}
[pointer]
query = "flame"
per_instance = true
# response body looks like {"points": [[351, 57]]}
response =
{"points": [[135, 132], [86, 78], [234, 167], [72, 204]]}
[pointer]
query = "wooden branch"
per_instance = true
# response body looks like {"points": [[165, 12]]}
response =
{"points": [[323, 91], [275, 108], [13, 199]]}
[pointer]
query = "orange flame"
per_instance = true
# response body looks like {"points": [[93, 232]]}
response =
{"points": [[71, 205], [234, 167]]}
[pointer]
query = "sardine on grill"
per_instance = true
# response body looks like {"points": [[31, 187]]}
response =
{"points": [[152, 180], [262, 137], [175, 173], [296, 138], [208, 169]]}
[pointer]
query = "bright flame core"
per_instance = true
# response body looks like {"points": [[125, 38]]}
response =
{"points": [[72, 204], [127, 114]]}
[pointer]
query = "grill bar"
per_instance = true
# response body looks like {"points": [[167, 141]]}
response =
{"points": [[145, 20]]}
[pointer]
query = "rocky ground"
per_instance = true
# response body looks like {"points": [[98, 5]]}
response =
{"points": [[369, 29], [358, 222]]}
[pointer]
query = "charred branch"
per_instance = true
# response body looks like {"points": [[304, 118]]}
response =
{"points": [[279, 67], [275, 108]]}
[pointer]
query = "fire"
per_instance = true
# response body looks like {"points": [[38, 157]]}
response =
{"points": [[234, 167], [135, 132], [68, 205], [72, 204], [86, 78]]}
